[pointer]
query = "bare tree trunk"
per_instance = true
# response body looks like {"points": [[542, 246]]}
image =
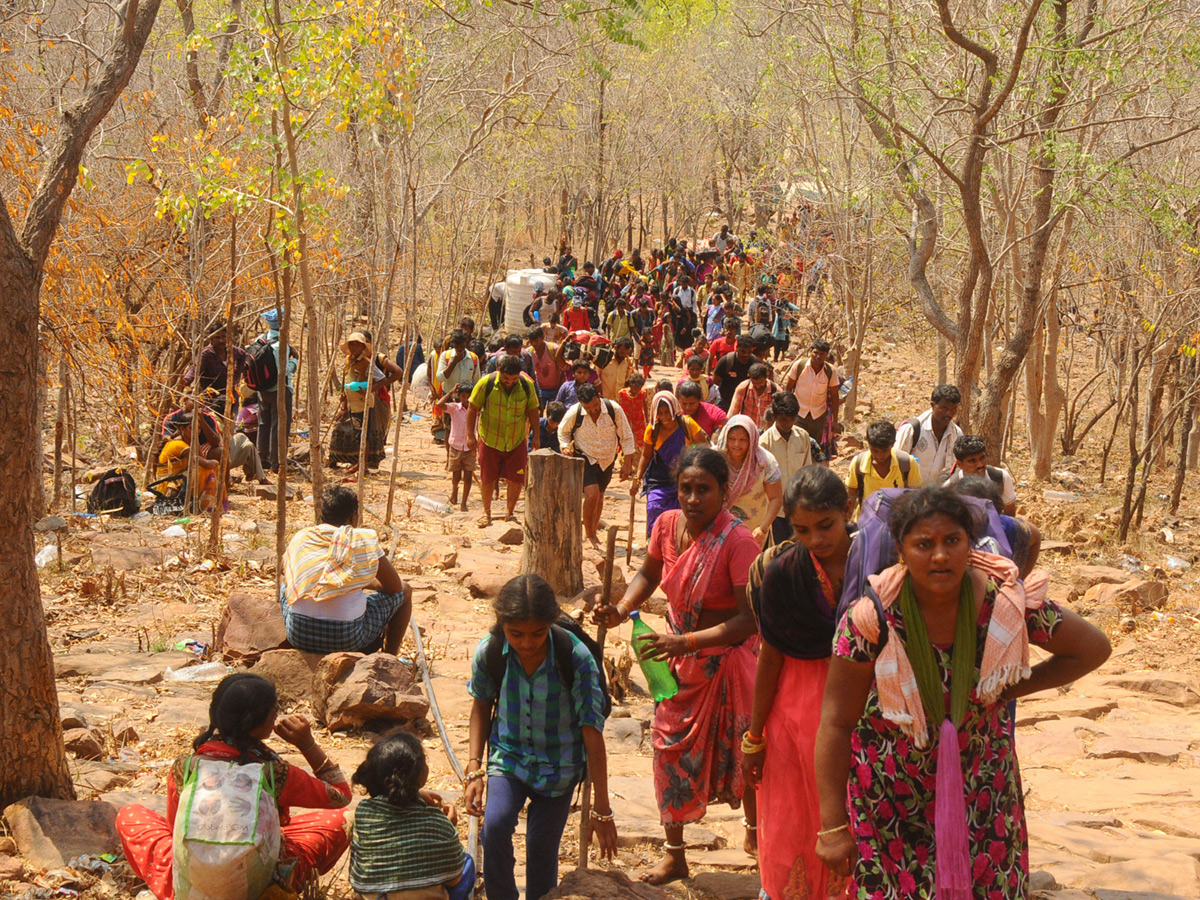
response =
{"points": [[60, 420], [553, 521]]}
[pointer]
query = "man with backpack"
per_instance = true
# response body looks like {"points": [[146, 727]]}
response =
{"points": [[881, 465], [262, 374], [596, 430], [504, 411], [753, 397], [971, 459], [210, 379], [930, 436], [815, 383]]}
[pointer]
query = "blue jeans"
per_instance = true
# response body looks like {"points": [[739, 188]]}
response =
{"points": [[547, 818], [466, 887]]}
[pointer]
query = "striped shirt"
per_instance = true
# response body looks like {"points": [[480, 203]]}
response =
{"points": [[325, 561], [400, 848], [503, 414], [537, 736], [749, 402]]}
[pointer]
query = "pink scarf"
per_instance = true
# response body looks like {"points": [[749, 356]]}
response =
{"points": [[745, 478]]}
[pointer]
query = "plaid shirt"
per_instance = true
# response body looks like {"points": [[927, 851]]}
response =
{"points": [[537, 736], [749, 402], [503, 417]]}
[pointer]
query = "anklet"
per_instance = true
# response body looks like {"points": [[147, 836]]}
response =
{"points": [[748, 826], [682, 846]]}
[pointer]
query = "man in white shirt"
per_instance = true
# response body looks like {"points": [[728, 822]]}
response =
{"points": [[971, 459], [723, 240], [815, 383], [930, 436], [596, 430], [791, 447]]}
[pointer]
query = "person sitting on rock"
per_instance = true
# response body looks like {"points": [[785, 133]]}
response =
{"points": [[214, 788], [327, 571]]}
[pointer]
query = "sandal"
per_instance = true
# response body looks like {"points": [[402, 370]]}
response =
{"points": [[483, 521]]}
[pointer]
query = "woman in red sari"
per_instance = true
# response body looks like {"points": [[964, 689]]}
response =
{"points": [[794, 589], [701, 556]]}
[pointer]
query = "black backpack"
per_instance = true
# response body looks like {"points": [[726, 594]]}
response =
{"points": [[115, 493], [262, 371], [494, 662], [494, 379]]}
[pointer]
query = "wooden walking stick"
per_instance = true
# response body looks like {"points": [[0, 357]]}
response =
{"points": [[629, 548], [585, 805]]}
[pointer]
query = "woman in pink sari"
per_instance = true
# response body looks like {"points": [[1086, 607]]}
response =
{"points": [[701, 555]]}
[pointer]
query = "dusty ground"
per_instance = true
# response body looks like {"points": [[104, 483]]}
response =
{"points": [[1111, 768]]}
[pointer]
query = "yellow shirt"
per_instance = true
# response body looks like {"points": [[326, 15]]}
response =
{"points": [[873, 481]]}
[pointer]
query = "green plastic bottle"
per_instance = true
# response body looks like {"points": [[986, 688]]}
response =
{"points": [[657, 671]]}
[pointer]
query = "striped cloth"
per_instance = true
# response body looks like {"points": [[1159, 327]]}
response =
{"points": [[326, 561], [537, 736], [399, 848], [503, 417]]}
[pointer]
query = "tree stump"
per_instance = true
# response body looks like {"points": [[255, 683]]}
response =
{"points": [[554, 521]]}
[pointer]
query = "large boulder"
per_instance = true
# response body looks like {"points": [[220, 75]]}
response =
{"points": [[293, 672], [251, 624], [353, 689], [49, 833]]}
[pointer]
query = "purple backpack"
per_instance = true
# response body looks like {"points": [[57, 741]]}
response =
{"points": [[873, 549]]}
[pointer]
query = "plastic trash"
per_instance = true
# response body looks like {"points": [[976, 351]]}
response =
{"points": [[174, 531], [197, 647], [1177, 564], [129, 755], [1060, 496], [430, 504], [141, 516], [46, 555], [213, 671], [186, 520], [1130, 563], [844, 388]]}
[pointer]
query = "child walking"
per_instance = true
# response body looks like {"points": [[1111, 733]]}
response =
{"points": [[404, 838], [635, 402], [460, 461], [231, 846], [545, 736]]}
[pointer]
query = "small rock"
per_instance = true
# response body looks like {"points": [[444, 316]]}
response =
{"points": [[71, 718], [7, 846], [424, 596], [49, 833], [1128, 624], [1084, 577], [728, 885], [102, 776], [1041, 880], [603, 884], [11, 869], [124, 733], [1180, 690], [353, 689], [250, 625], [514, 536], [1135, 596], [627, 731], [83, 743], [293, 672], [448, 560]]}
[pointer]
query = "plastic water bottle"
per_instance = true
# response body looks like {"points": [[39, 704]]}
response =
{"points": [[430, 504], [657, 671]]}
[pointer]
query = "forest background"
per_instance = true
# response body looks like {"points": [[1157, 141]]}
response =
{"points": [[1013, 184]]}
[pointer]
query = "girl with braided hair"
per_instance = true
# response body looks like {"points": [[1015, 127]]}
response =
{"points": [[243, 713]]}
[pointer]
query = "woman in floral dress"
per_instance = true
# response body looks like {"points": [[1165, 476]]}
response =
{"points": [[915, 719], [701, 555]]}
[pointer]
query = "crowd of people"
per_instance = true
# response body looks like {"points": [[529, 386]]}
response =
{"points": [[846, 652]]}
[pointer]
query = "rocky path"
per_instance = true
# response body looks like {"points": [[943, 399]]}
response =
{"points": [[1111, 768]]}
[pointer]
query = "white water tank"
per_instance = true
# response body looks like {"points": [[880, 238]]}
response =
{"points": [[518, 290]]}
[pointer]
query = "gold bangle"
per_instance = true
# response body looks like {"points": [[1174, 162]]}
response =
{"points": [[828, 831], [691, 641], [750, 748], [475, 776]]}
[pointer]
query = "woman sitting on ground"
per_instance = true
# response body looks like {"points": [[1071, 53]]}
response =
{"points": [[916, 718], [339, 591], [228, 840], [701, 556]]}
